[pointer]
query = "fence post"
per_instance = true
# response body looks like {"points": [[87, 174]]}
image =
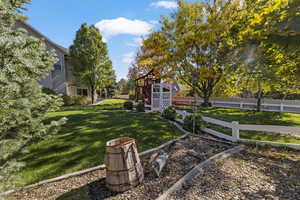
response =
{"points": [[235, 131], [281, 107], [241, 105]]}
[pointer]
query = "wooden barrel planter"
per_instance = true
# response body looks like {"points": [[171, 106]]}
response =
{"points": [[123, 166]]}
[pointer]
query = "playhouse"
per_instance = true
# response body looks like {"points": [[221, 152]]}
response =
{"points": [[154, 94]]}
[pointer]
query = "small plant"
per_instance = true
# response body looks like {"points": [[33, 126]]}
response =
{"points": [[179, 116], [199, 123], [140, 107], [76, 100], [68, 100], [169, 113], [128, 105], [82, 100], [131, 96]]}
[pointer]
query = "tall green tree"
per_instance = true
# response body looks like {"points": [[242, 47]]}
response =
{"points": [[110, 83], [24, 60], [89, 57]]}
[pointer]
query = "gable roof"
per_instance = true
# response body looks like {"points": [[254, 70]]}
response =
{"points": [[27, 26]]}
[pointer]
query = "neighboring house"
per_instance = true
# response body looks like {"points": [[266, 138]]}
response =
{"points": [[60, 78]]}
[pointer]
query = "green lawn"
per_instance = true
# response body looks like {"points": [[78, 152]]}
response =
{"points": [[252, 117], [81, 142]]}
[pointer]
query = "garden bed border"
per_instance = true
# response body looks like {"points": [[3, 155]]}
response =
{"points": [[198, 170]]}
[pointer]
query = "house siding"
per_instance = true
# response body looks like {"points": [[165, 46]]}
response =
{"points": [[62, 81], [56, 79]]}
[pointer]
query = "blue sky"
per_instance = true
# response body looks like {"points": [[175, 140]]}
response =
{"points": [[121, 22]]}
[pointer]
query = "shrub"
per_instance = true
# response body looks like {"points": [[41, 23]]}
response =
{"points": [[76, 100], [199, 123], [128, 105], [82, 100], [140, 107], [169, 113], [131, 96], [68, 100]]}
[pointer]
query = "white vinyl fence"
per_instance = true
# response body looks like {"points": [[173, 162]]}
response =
{"points": [[236, 127], [273, 105]]}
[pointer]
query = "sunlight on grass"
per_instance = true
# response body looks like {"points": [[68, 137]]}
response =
{"points": [[111, 101], [81, 142]]}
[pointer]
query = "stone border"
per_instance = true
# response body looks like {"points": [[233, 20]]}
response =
{"points": [[54, 179], [199, 170]]}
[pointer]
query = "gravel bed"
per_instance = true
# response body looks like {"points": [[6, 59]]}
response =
{"points": [[57, 189], [251, 174], [92, 185]]}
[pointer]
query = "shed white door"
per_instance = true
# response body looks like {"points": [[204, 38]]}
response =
{"points": [[161, 96]]}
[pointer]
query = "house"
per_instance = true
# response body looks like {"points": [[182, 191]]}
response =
{"points": [[60, 79]]}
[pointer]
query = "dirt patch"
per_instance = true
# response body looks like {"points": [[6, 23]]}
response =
{"points": [[252, 174], [92, 185]]}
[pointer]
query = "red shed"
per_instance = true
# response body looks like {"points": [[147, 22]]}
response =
{"points": [[143, 87]]}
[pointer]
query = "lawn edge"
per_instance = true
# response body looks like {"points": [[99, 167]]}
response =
{"points": [[199, 169]]}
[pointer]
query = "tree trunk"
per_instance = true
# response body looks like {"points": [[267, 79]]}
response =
{"points": [[93, 94], [206, 101], [259, 97], [206, 98], [100, 93], [258, 106]]}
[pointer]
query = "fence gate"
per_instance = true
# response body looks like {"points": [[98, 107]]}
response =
{"points": [[161, 96]]}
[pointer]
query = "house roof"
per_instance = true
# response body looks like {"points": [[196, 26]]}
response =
{"points": [[27, 26]]}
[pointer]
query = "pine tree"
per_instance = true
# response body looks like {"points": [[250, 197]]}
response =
{"points": [[89, 57], [24, 60]]}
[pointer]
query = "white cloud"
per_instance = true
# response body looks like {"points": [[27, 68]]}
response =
{"points": [[121, 25], [128, 58], [136, 42], [165, 4]]}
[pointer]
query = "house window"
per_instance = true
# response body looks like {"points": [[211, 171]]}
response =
{"points": [[57, 66], [82, 92]]}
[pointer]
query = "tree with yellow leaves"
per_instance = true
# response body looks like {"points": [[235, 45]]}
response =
{"points": [[202, 43]]}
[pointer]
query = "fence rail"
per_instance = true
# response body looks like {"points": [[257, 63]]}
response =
{"points": [[236, 127], [273, 105]]}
